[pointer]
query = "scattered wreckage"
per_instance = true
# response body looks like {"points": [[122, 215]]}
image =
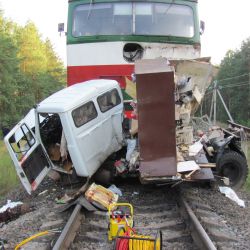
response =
{"points": [[170, 136], [81, 131]]}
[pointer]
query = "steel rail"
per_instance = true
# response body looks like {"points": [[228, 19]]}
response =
{"points": [[69, 232], [198, 233]]}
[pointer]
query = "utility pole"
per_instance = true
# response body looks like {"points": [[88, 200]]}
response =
{"points": [[215, 100], [225, 106], [213, 107]]}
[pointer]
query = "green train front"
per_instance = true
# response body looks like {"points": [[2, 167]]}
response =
{"points": [[105, 38]]}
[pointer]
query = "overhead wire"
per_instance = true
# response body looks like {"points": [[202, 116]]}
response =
{"points": [[219, 86], [235, 86], [246, 81], [230, 78]]}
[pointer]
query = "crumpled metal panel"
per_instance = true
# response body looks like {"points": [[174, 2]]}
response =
{"points": [[156, 118], [203, 174]]}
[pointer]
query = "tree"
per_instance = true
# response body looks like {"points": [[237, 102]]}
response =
{"points": [[234, 81], [8, 69], [29, 70], [39, 62], [31, 50]]}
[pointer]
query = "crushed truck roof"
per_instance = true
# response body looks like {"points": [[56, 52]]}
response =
{"points": [[75, 95]]}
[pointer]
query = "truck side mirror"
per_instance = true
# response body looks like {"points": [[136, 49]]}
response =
{"points": [[202, 27], [60, 27]]}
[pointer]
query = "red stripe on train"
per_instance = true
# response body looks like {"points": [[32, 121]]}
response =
{"points": [[78, 74]]}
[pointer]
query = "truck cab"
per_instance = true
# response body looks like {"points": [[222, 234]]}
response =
{"points": [[75, 129]]}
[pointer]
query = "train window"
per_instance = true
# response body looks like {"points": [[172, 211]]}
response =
{"points": [[174, 20], [123, 18], [143, 18], [84, 114], [144, 9], [109, 100], [89, 19], [122, 9], [138, 18], [162, 19]]}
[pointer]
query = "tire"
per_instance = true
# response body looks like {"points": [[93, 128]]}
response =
{"points": [[103, 176], [233, 166]]}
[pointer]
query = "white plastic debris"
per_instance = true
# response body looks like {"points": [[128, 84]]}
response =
{"points": [[134, 157], [229, 192], [115, 190], [10, 205], [130, 148], [195, 148], [186, 166], [226, 181], [135, 193], [43, 192]]}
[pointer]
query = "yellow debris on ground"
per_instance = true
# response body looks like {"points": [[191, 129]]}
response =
{"points": [[101, 195]]}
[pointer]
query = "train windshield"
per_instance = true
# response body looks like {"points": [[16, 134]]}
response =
{"points": [[155, 19]]}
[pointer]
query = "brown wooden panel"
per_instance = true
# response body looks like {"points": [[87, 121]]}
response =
{"points": [[156, 120]]}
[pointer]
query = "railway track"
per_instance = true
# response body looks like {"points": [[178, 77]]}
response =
{"points": [[185, 222]]}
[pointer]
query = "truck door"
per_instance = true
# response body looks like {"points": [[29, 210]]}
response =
{"points": [[27, 153]]}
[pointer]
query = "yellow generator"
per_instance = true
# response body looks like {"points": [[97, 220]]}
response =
{"points": [[121, 230], [120, 219]]}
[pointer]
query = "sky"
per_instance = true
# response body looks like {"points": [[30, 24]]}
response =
{"points": [[227, 22]]}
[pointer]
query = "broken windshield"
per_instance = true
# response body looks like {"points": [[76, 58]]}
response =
{"points": [[156, 19]]}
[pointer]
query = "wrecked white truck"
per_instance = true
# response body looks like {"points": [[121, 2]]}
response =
{"points": [[78, 128]]}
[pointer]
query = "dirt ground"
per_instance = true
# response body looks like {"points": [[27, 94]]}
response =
{"points": [[236, 217], [43, 206], [39, 206]]}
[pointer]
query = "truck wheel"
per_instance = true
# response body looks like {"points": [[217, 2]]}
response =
{"points": [[103, 176], [233, 166]]}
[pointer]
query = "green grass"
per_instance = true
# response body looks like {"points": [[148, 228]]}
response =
{"points": [[8, 176]]}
